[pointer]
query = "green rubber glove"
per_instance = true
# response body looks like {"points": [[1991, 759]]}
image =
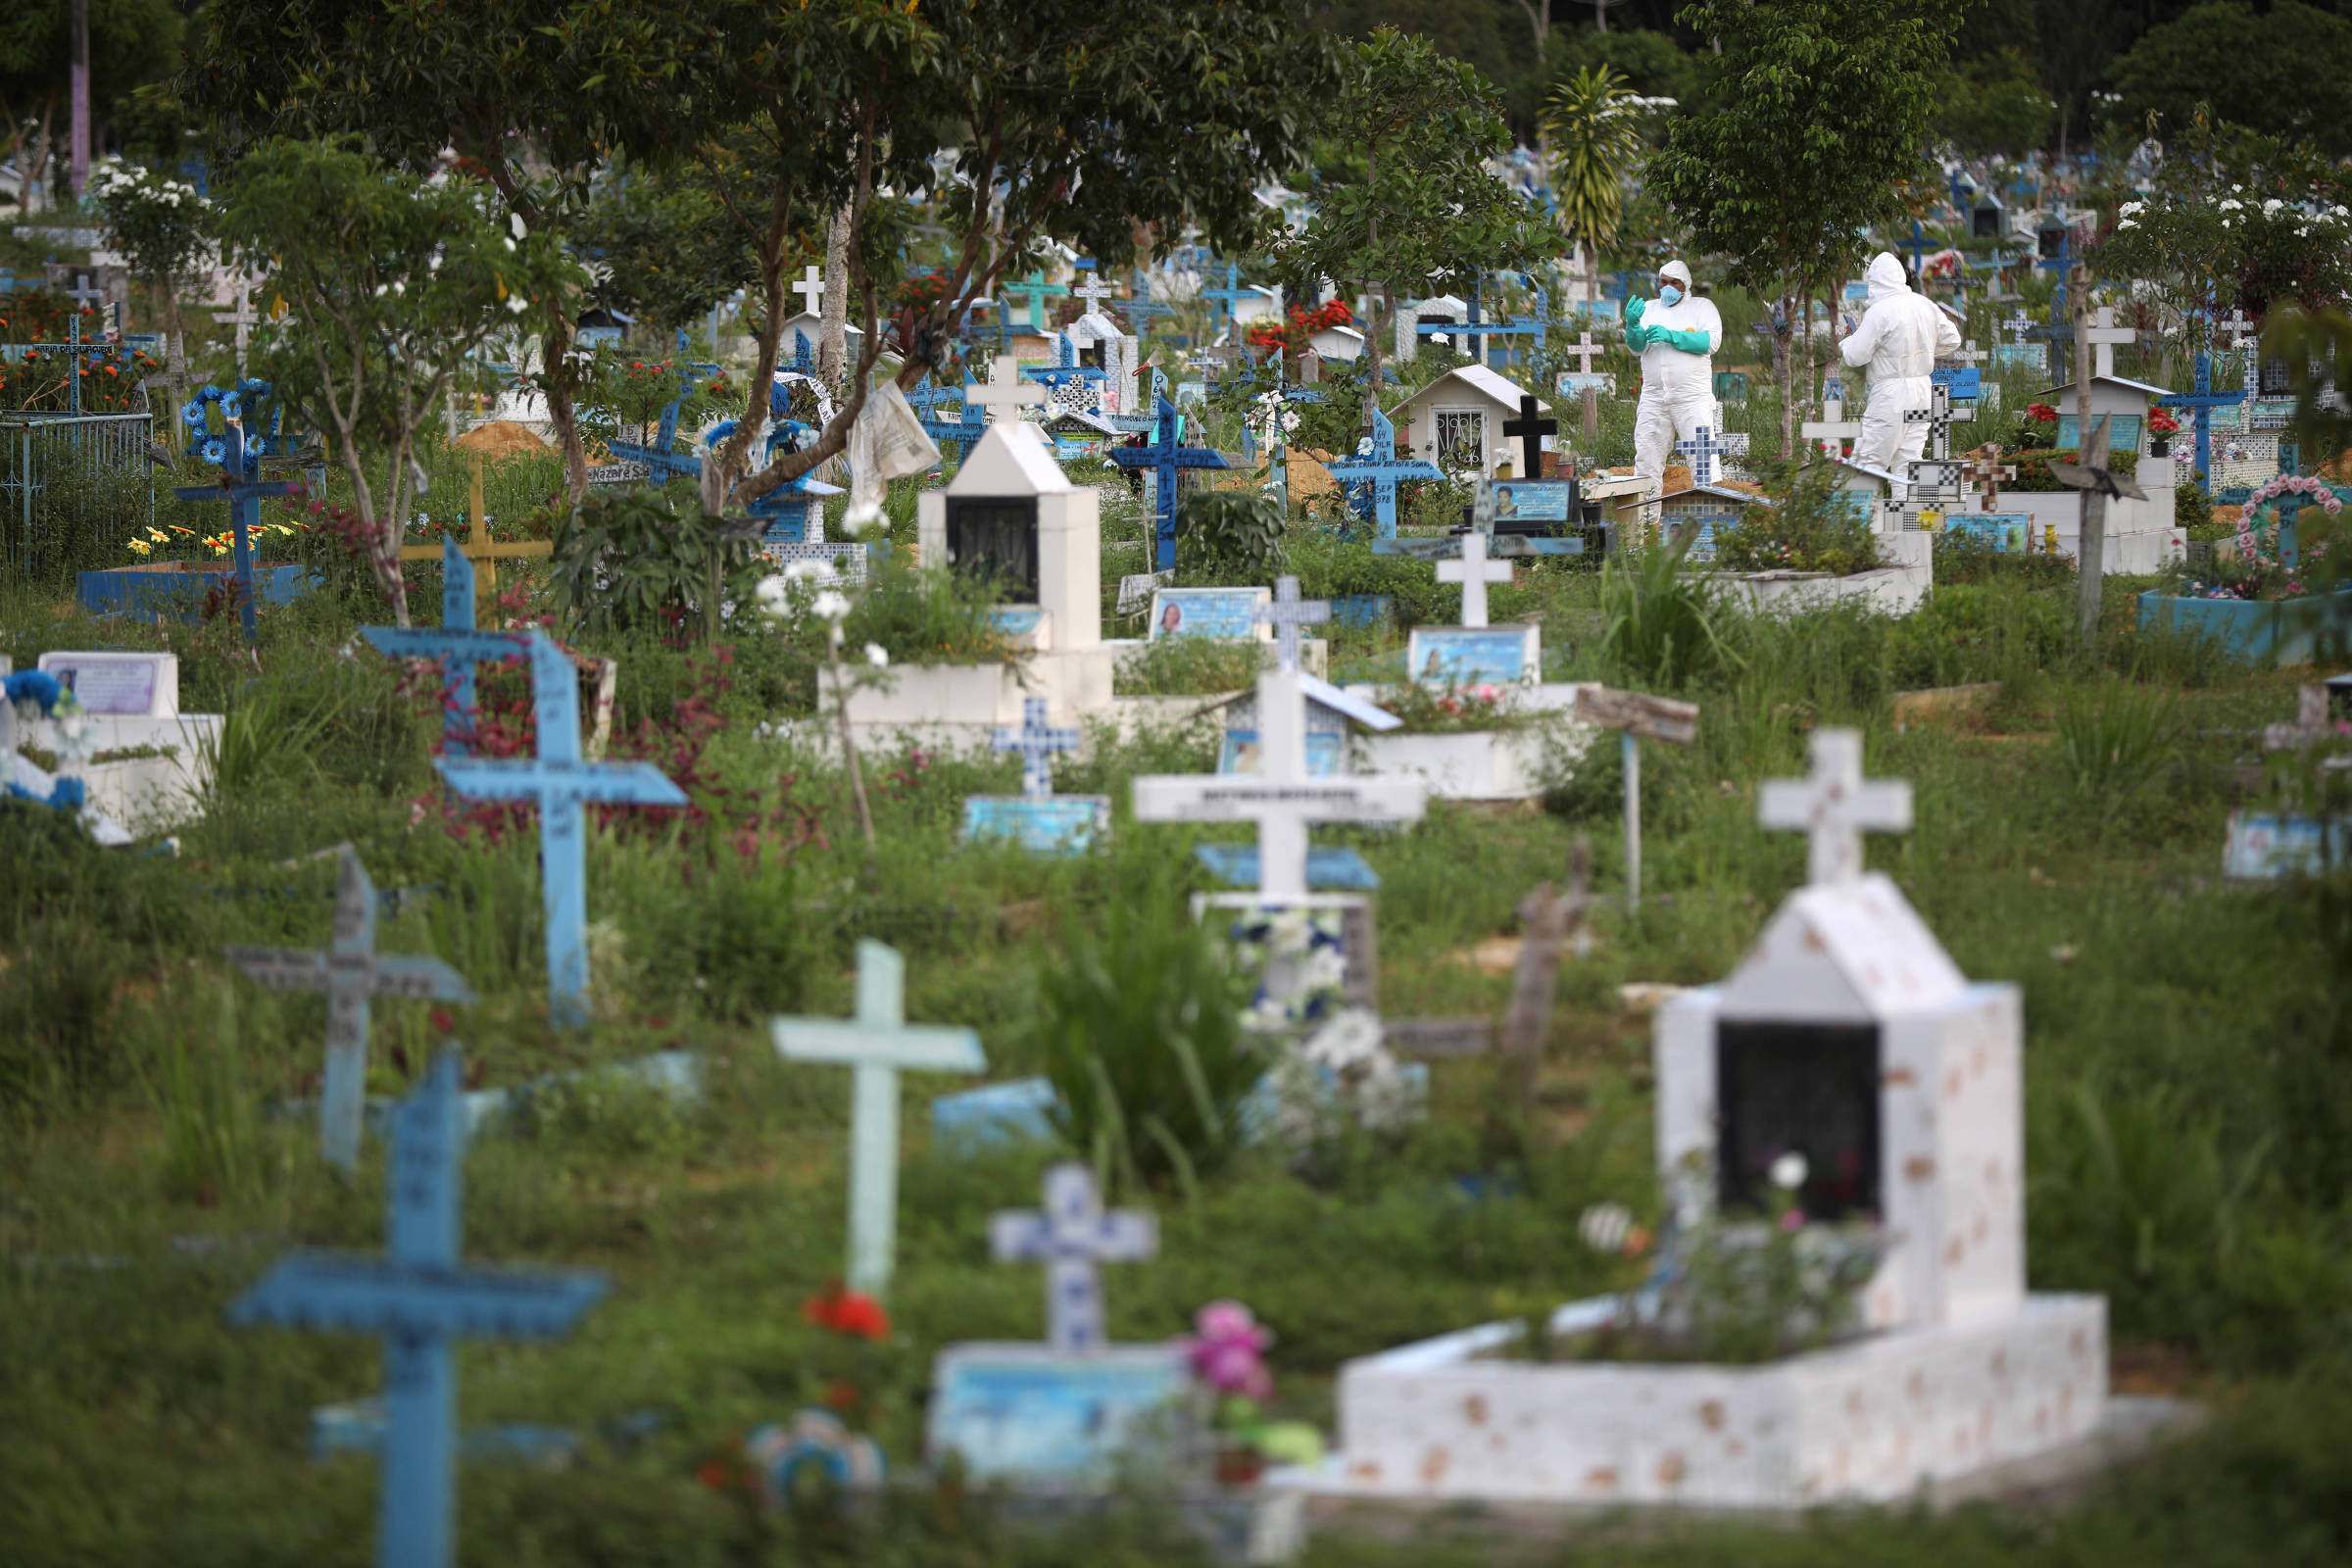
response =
{"points": [[1691, 340], [1634, 309], [1637, 337]]}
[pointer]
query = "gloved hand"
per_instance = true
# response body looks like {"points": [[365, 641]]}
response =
{"points": [[1637, 337], [1634, 309], [1691, 340]]}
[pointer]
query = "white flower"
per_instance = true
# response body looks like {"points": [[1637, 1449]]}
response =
{"points": [[1350, 1039], [2127, 223], [832, 605], [508, 243], [1788, 1173], [877, 656], [516, 303], [807, 571], [2270, 209], [1605, 1226], [773, 596], [515, 225], [2225, 205], [2131, 209]]}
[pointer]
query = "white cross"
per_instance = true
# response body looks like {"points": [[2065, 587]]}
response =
{"points": [[243, 319], [2103, 335], [1071, 1236], [1583, 350], [2018, 325], [2237, 325], [876, 1045], [1281, 798], [811, 290], [1037, 741], [87, 293], [1970, 354], [1834, 806], [1832, 433], [2312, 723], [1473, 571], [1094, 291], [1286, 613], [1005, 389]]}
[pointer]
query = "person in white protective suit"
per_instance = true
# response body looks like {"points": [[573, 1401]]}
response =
{"points": [[1677, 336], [1901, 337]]}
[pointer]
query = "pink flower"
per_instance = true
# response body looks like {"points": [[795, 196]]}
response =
{"points": [[1227, 1351]]}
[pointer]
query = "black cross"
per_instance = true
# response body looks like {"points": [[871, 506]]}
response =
{"points": [[1531, 432]]}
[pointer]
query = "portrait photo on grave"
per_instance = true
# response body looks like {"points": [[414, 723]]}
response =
{"points": [[1209, 612], [1473, 656]]}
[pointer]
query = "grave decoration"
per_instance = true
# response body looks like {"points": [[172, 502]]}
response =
{"points": [[113, 723], [1371, 475], [1163, 458], [1078, 1408], [1850, 1081], [240, 484], [35, 694], [1037, 819], [1636, 717], [877, 1045], [351, 972], [560, 782], [421, 1299]]}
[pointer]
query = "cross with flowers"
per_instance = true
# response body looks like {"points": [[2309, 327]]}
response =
{"points": [[238, 487]]}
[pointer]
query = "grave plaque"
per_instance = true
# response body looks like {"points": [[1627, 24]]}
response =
{"points": [[118, 685], [1803, 1088], [995, 536]]}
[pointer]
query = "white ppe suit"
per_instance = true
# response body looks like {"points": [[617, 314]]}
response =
{"points": [[1901, 337], [1677, 384]]}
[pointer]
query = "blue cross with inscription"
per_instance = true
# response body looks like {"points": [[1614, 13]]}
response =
{"points": [[1703, 449], [1065, 369], [1165, 457], [455, 643], [421, 1299], [561, 782], [1371, 477], [243, 492], [1231, 295], [661, 461], [2204, 400], [1037, 741], [963, 430]]}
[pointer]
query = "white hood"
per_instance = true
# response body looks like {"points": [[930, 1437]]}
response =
{"points": [[1678, 273], [1885, 277]]}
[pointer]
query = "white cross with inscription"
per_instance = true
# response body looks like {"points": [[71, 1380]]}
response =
{"points": [[1071, 1236], [1281, 798], [1286, 613], [243, 317], [1835, 805], [2103, 335], [1473, 571], [1006, 390], [1583, 350], [811, 290], [877, 1045]]}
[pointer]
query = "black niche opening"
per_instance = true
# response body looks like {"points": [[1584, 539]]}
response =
{"points": [[996, 536], [1805, 1088]]}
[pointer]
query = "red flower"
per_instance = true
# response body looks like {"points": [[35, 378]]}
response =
{"points": [[842, 1396], [2041, 414], [847, 1312], [442, 1020], [714, 1475], [2162, 423]]}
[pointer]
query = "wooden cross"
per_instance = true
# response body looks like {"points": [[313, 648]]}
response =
{"points": [[877, 1045], [811, 290], [1531, 431], [1281, 798], [1987, 469], [243, 317], [1037, 741], [2103, 335], [1636, 716], [1286, 613], [1833, 807], [1006, 390], [1473, 571], [485, 552], [350, 972], [421, 1299], [1072, 1235], [1546, 920], [559, 781]]}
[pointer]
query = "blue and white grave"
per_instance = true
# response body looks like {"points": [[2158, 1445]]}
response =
{"points": [[124, 701], [1037, 819]]}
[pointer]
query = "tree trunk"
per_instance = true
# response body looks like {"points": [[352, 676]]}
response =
{"points": [[1385, 290], [833, 337], [2090, 550], [1783, 353]]}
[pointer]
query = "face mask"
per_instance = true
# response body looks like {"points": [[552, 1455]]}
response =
{"points": [[1669, 295]]}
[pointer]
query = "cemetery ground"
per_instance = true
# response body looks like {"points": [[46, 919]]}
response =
{"points": [[2188, 1052]]}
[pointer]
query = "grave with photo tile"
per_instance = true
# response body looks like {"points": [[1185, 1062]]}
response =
{"points": [[1849, 1037], [145, 763]]}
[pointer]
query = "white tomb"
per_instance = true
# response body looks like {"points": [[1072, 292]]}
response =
{"points": [[131, 704], [1846, 1029]]}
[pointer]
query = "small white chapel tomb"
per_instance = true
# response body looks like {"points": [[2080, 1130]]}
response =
{"points": [[2141, 536], [1846, 1036], [1456, 421]]}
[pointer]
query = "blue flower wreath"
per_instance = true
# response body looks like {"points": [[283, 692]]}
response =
{"points": [[211, 449]]}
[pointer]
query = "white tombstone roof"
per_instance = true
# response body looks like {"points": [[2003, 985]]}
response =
{"points": [[1846, 953], [1095, 327], [1010, 460], [2108, 380], [812, 323], [1718, 492], [1093, 422], [1322, 692], [1443, 305], [1880, 474], [1479, 378]]}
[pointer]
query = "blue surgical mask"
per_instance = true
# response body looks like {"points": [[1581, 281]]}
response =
{"points": [[1669, 296]]}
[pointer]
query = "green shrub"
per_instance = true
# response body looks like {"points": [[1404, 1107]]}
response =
{"points": [[633, 557], [1661, 626], [2112, 738], [2034, 467], [1191, 667], [1812, 526], [1229, 536]]}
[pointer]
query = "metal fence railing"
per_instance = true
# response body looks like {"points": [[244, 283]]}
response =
{"points": [[73, 489]]}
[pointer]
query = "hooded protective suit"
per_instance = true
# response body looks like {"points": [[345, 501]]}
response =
{"points": [[1902, 336], [1677, 343]]}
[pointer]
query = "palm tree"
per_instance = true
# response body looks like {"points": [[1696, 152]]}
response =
{"points": [[1593, 125]]}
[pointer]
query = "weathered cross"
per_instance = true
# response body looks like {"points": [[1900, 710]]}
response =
{"points": [[1282, 797], [1286, 613], [1834, 806], [811, 290], [1636, 717], [1071, 1236], [350, 972], [1093, 291], [482, 552], [1036, 291], [455, 643], [1989, 471], [1231, 295], [1531, 431], [1702, 450], [243, 492], [560, 782], [421, 1299], [1474, 571], [1372, 476], [1037, 741], [243, 317], [877, 1045], [1005, 390], [2103, 335], [84, 294], [1165, 456], [1583, 350]]}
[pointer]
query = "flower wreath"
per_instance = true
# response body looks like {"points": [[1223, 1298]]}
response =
{"points": [[2319, 492], [209, 447]]}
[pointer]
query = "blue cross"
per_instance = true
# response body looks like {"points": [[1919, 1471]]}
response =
{"points": [[1070, 1234], [1371, 478], [2204, 400], [560, 782], [243, 492], [1232, 294], [1165, 457], [2062, 264], [661, 462], [1037, 741], [421, 1299], [1703, 449], [963, 430], [1918, 245], [455, 643], [1961, 188], [1038, 291]]}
